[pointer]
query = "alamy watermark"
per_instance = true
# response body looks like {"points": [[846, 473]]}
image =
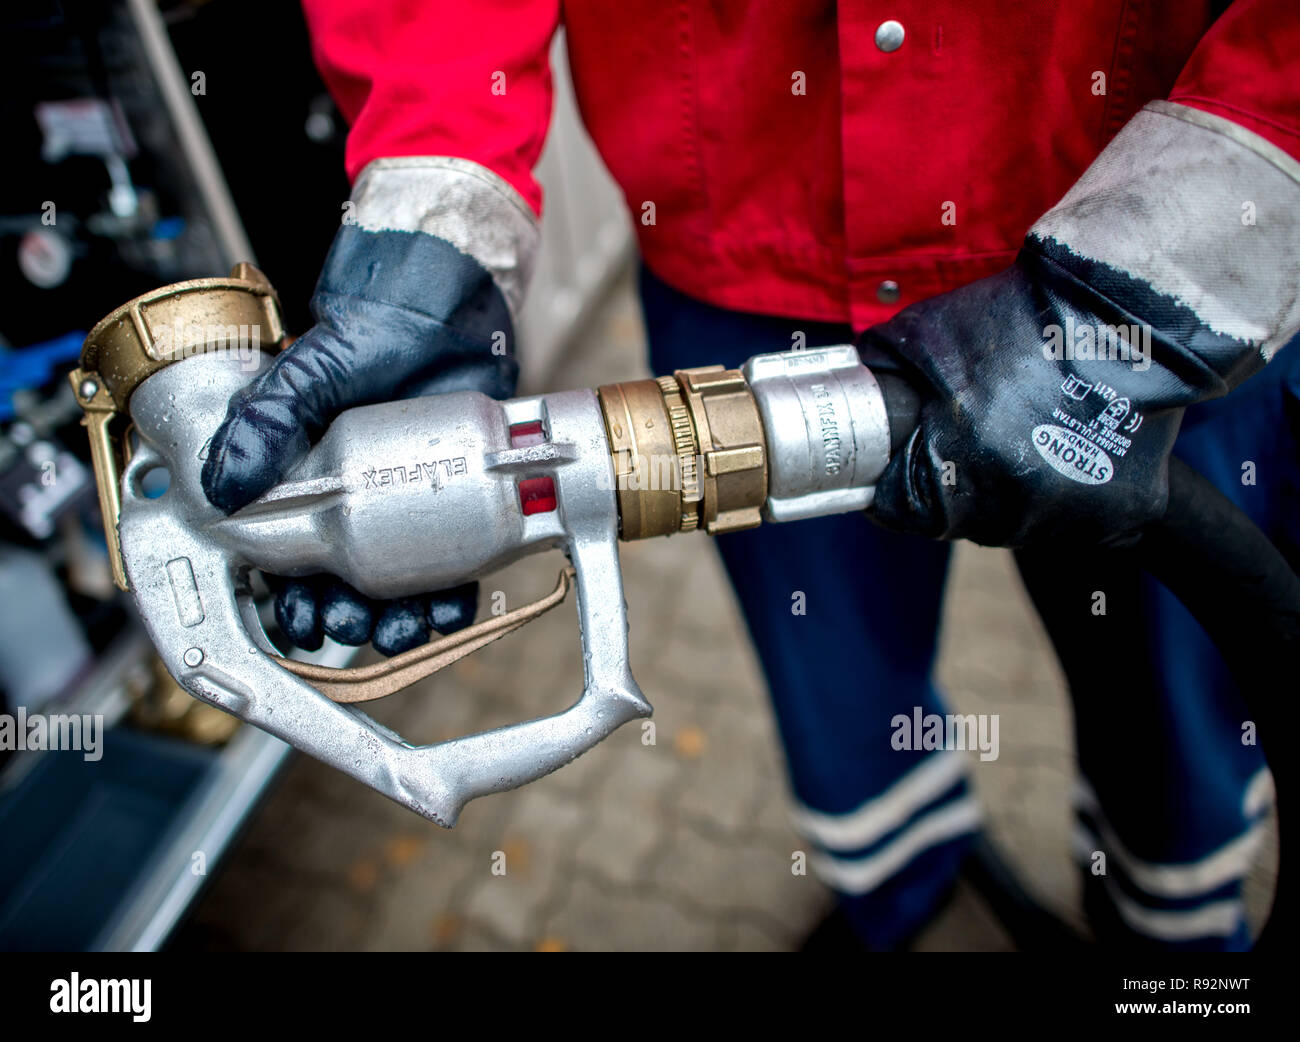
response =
{"points": [[654, 472], [73, 994], [954, 731], [1098, 341], [76, 732], [243, 343]]}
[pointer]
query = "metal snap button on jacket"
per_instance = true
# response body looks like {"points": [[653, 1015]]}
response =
{"points": [[889, 35]]}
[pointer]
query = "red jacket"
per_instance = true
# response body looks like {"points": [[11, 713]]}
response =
{"points": [[922, 166]]}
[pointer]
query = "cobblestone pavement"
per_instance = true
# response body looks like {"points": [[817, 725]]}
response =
{"points": [[675, 838]]}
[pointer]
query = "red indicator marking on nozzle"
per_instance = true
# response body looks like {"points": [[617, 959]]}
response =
{"points": [[525, 434], [537, 495]]}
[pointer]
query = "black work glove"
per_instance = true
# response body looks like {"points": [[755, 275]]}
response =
{"points": [[1040, 420], [398, 314]]}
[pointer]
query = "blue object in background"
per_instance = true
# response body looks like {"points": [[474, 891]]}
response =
{"points": [[77, 833], [166, 229], [35, 366]]}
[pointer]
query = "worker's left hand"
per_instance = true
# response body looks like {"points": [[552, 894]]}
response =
{"points": [[1021, 440], [401, 311]]}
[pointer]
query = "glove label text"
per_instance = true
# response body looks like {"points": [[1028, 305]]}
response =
{"points": [[1072, 455]]}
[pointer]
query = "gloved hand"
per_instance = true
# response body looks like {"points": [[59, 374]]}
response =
{"points": [[400, 311], [1015, 444], [1054, 390]]}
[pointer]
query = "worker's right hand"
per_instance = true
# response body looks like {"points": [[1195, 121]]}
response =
{"points": [[400, 312]]}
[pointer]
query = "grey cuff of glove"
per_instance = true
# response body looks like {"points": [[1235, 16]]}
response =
{"points": [[460, 201], [1203, 210]]}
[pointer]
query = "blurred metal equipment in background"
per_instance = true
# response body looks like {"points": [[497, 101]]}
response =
{"points": [[133, 162], [111, 188]]}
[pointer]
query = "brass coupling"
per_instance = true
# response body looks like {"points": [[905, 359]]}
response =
{"points": [[147, 334], [688, 452]]}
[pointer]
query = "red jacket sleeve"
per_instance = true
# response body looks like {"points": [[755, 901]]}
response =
{"points": [[1247, 69], [465, 78]]}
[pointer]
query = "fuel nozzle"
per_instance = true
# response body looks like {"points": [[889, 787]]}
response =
{"points": [[405, 496]]}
